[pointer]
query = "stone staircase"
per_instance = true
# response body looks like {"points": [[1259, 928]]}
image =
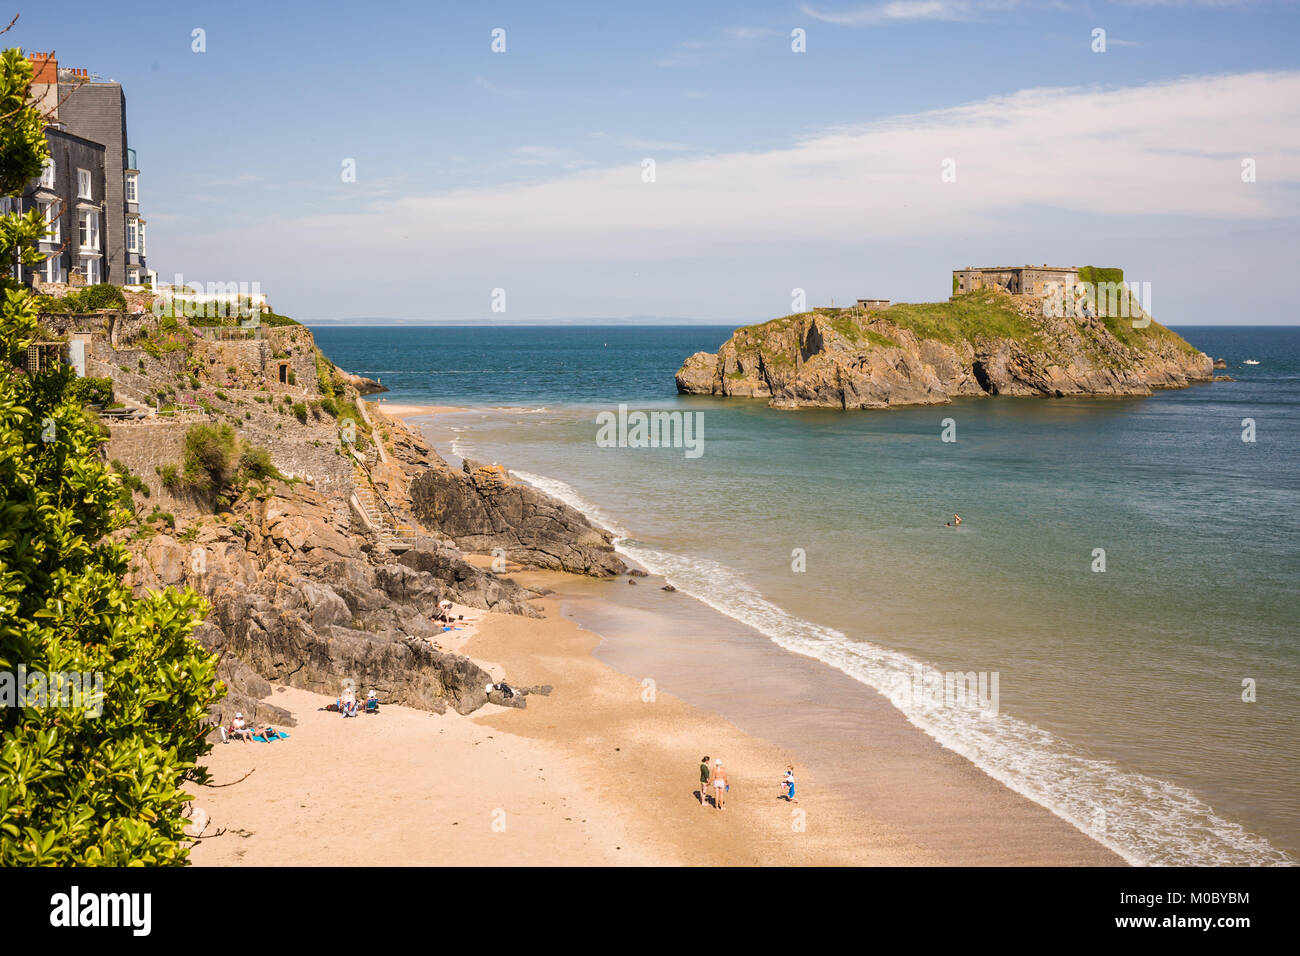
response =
{"points": [[393, 535]]}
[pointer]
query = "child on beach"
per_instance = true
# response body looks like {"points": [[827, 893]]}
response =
{"points": [[787, 784], [720, 787]]}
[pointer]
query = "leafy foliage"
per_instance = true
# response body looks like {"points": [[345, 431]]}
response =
{"points": [[104, 295], [98, 784], [92, 391]]}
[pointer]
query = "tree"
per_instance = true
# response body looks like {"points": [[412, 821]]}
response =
{"points": [[90, 780]]}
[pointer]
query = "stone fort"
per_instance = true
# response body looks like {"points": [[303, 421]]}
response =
{"points": [[1018, 280]]}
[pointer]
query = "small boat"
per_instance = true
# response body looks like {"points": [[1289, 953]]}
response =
{"points": [[1250, 362]]}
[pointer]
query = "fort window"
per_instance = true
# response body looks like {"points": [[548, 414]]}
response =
{"points": [[284, 373]]}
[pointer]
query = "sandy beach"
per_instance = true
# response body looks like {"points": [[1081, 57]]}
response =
{"points": [[602, 771], [404, 410]]}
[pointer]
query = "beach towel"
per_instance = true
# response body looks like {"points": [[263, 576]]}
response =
{"points": [[278, 735]]}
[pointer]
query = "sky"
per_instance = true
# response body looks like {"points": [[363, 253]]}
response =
{"points": [[688, 161]]}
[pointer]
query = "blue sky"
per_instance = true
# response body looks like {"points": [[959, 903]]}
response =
{"points": [[774, 170]]}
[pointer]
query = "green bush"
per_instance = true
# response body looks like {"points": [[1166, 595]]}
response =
{"points": [[210, 458], [102, 296], [328, 407], [1098, 274], [92, 391], [164, 516], [255, 463], [300, 412]]}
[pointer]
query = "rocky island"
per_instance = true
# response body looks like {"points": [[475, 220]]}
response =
{"points": [[982, 342]]}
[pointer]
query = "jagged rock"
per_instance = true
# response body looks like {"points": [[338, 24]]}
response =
{"points": [[1224, 378], [463, 583], [481, 509], [363, 385], [667, 587], [1220, 363], [518, 700], [852, 360]]}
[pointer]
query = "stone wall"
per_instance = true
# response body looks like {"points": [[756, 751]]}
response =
{"points": [[295, 342], [143, 447]]}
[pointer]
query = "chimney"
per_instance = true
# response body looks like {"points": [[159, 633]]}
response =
{"points": [[45, 85], [45, 68]]}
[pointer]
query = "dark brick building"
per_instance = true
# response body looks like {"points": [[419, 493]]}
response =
{"points": [[93, 179]]}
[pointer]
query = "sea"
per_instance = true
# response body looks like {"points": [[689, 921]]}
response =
{"points": [[1124, 581]]}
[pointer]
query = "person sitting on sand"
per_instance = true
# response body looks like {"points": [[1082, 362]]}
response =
{"points": [[719, 786], [240, 730], [704, 780], [348, 703]]}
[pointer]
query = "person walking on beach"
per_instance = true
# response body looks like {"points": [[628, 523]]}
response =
{"points": [[787, 784], [704, 780], [719, 786]]}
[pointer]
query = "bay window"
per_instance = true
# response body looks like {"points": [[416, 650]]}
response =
{"points": [[88, 229]]}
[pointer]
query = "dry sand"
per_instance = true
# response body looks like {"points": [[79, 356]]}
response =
{"points": [[404, 410], [601, 772]]}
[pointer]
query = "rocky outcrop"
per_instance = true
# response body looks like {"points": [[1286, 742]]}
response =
{"points": [[363, 385], [482, 509], [305, 589], [910, 355], [299, 598]]}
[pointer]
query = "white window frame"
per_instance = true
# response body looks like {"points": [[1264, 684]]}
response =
{"points": [[52, 234], [52, 267], [132, 235], [141, 222], [85, 185], [88, 229], [90, 269], [132, 187], [132, 276], [47, 174]]}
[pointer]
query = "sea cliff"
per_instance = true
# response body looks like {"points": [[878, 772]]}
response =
{"points": [[322, 533]]}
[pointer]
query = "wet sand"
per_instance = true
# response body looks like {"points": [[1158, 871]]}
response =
{"points": [[605, 769]]}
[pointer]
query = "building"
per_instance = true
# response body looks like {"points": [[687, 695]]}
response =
{"points": [[1018, 280], [70, 195], [91, 188], [870, 304]]}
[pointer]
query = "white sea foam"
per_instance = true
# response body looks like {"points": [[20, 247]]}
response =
{"points": [[1145, 820]]}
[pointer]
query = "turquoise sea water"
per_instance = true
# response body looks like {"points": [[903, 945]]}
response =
{"points": [[1120, 692]]}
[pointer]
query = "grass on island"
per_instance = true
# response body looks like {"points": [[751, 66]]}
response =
{"points": [[966, 318]]}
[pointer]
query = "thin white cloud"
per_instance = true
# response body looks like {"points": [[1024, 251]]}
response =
{"points": [[1134, 151], [1023, 161], [895, 10], [698, 51]]}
